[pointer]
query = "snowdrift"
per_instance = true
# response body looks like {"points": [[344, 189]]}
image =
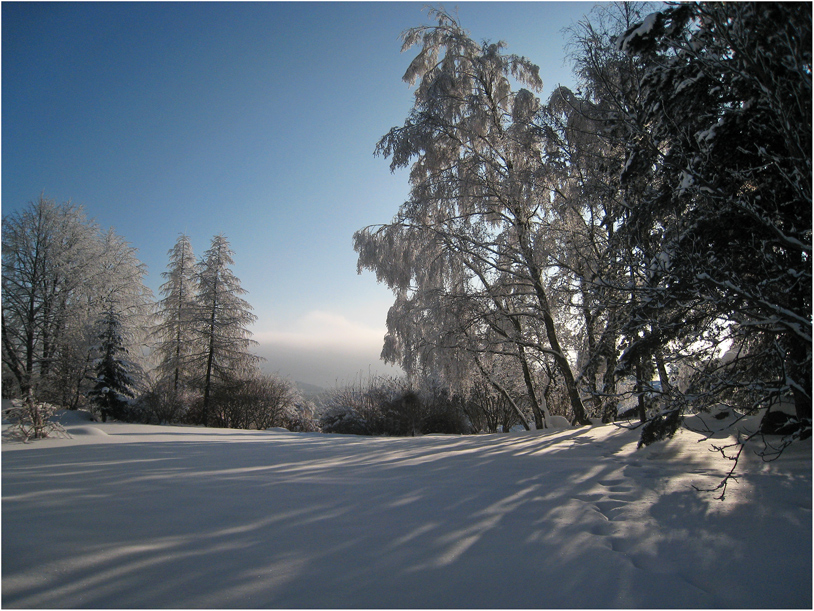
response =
{"points": [[141, 516]]}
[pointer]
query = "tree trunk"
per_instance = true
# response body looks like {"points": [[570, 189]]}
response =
{"points": [[798, 378], [539, 421], [565, 369], [591, 368], [551, 332], [208, 376], [611, 403], [506, 395], [666, 387], [640, 389]]}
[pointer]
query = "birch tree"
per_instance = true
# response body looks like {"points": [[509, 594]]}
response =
{"points": [[588, 148], [60, 273], [48, 254], [479, 195], [115, 278]]}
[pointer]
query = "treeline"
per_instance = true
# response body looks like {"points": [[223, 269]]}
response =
{"points": [[80, 329], [645, 238]]}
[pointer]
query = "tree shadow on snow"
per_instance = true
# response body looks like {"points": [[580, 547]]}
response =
{"points": [[338, 522]]}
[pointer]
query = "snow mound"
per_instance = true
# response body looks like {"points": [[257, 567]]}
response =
{"points": [[558, 422], [277, 429], [67, 417], [86, 430]]}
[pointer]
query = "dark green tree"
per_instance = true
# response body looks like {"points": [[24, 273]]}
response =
{"points": [[115, 375], [726, 220]]}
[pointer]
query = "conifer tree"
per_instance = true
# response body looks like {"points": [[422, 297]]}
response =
{"points": [[115, 379], [726, 221], [175, 331], [222, 320]]}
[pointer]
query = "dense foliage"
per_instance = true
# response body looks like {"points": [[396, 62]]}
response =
{"points": [[388, 406], [644, 241], [61, 274], [115, 375], [725, 217]]}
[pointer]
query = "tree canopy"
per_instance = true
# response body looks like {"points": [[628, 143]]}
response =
{"points": [[645, 237]]}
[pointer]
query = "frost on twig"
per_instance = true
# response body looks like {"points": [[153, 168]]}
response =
{"points": [[33, 420], [772, 449], [738, 446]]}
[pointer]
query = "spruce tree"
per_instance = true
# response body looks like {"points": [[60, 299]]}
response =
{"points": [[726, 219], [114, 373]]}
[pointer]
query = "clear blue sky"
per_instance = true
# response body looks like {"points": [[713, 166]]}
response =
{"points": [[257, 120]]}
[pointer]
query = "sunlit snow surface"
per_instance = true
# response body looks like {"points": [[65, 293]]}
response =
{"points": [[130, 516]]}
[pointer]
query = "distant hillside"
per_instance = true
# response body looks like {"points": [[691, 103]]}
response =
{"points": [[310, 391]]}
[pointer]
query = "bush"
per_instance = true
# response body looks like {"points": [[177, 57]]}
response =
{"points": [[163, 405], [343, 419], [302, 420], [258, 402], [486, 410], [33, 420], [390, 406]]}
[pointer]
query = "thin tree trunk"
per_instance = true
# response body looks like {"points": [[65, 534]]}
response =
{"points": [[551, 332], [800, 382], [565, 369], [177, 359], [539, 421], [591, 368], [640, 389], [505, 394], [666, 387], [208, 377], [611, 403], [521, 353], [209, 360]]}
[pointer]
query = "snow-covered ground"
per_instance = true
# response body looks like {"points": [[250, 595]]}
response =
{"points": [[158, 516]]}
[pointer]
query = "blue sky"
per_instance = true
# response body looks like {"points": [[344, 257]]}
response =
{"points": [[256, 120]]}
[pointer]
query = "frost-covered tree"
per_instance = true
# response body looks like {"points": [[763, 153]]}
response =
{"points": [[116, 376], [48, 253], [59, 272], [599, 268], [221, 323], [115, 275], [175, 332], [478, 209], [120, 281], [726, 221]]}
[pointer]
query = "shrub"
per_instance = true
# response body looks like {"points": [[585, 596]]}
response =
{"points": [[390, 406], [33, 420], [257, 402]]}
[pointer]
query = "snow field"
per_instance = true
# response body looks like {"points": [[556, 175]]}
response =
{"points": [[130, 516]]}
